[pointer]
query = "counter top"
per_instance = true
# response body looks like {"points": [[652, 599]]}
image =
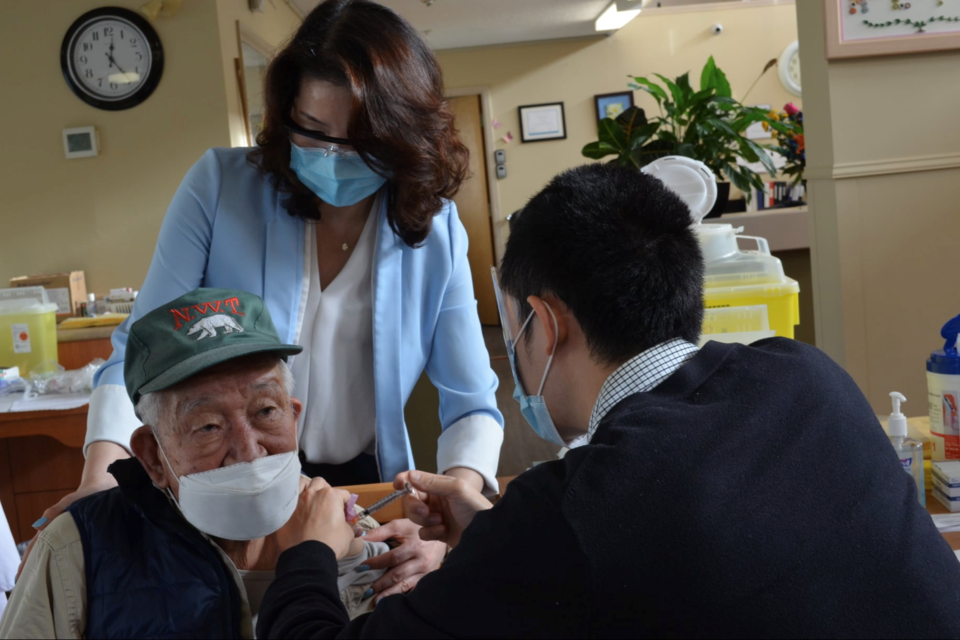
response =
{"points": [[91, 333]]}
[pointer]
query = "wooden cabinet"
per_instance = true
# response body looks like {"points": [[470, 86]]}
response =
{"points": [[41, 452]]}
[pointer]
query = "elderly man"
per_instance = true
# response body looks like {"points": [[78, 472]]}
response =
{"points": [[186, 545]]}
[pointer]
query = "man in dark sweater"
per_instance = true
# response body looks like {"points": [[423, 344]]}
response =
{"points": [[728, 491]]}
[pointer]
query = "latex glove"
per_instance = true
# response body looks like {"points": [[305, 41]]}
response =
{"points": [[407, 563]]}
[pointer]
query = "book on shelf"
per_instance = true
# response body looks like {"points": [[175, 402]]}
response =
{"points": [[777, 194]]}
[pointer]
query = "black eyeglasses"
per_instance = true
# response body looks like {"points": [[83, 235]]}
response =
{"points": [[293, 127]]}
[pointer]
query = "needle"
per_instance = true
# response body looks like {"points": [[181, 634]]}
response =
{"points": [[381, 503]]}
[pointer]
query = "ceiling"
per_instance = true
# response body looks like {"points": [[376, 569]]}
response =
{"points": [[452, 24]]}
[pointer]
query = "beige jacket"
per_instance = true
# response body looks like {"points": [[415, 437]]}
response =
{"points": [[50, 599]]}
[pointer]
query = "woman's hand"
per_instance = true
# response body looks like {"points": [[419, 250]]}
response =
{"points": [[406, 564], [95, 479], [444, 506], [319, 516]]}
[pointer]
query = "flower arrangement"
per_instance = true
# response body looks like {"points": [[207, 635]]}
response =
{"points": [[790, 140]]}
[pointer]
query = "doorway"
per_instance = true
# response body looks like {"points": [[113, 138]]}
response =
{"points": [[473, 204]]}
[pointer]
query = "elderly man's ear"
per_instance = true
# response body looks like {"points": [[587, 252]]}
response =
{"points": [[145, 448]]}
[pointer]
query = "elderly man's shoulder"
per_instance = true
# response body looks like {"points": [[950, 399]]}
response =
{"points": [[61, 533]]}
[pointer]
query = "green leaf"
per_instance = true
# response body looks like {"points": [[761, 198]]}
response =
{"points": [[683, 82], [653, 89], [597, 150], [654, 150], [667, 136], [761, 154], [721, 83], [640, 135], [630, 120], [707, 76], [611, 133], [723, 126], [675, 90], [713, 78]]}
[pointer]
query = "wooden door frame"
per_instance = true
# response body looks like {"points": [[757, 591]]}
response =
{"points": [[493, 194]]}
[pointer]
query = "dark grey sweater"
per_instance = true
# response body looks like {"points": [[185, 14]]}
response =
{"points": [[751, 494]]}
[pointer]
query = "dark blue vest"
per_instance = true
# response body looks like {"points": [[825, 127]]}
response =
{"points": [[149, 573]]}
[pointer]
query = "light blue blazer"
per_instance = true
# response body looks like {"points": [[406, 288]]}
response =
{"points": [[226, 228]]}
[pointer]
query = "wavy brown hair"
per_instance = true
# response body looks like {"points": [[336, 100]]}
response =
{"points": [[400, 124]]}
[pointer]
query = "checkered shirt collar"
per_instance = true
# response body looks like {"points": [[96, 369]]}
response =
{"points": [[641, 373]]}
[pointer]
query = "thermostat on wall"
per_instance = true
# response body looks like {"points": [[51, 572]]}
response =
{"points": [[80, 142]]}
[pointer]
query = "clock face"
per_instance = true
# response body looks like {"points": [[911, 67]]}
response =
{"points": [[793, 68], [112, 58], [789, 68]]}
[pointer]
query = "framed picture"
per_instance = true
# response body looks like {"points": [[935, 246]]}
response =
{"points": [[542, 122], [80, 142], [610, 105], [862, 28]]}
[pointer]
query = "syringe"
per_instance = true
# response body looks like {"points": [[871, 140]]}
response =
{"points": [[383, 502]]}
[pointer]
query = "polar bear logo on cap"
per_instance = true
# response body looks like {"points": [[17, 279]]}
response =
{"points": [[208, 326]]}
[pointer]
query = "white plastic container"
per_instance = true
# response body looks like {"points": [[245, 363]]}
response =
{"points": [[734, 278], [943, 395]]}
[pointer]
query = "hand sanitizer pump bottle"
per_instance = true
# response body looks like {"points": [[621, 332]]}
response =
{"points": [[909, 451]]}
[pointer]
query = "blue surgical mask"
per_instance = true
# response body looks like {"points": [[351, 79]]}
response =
{"points": [[339, 178], [534, 408]]}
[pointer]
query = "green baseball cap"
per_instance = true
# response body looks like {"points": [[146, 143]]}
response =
{"points": [[196, 331]]}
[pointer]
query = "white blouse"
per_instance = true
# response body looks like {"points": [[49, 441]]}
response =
{"points": [[335, 369]]}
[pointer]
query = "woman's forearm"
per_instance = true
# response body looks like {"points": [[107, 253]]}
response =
{"points": [[100, 455]]}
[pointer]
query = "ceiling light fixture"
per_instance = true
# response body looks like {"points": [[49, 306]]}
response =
{"points": [[611, 19]]}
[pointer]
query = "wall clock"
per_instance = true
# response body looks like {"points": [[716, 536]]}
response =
{"points": [[789, 68], [111, 58]]}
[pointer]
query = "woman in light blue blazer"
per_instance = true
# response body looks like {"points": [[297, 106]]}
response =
{"points": [[341, 221]]}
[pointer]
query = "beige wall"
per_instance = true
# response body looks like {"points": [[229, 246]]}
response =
{"points": [[573, 71], [98, 214], [273, 27], [102, 214], [884, 191]]}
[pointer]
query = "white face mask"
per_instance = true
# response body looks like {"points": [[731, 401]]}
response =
{"points": [[243, 501]]}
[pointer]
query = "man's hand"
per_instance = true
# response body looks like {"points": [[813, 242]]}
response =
{"points": [[319, 516], [443, 506]]}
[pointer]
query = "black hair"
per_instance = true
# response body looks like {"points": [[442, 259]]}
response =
{"points": [[614, 245]]}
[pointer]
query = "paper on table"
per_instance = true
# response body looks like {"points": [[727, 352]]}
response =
{"points": [[52, 402], [947, 522]]}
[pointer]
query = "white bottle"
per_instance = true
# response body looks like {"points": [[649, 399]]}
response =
{"points": [[909, 451], [943, 395]]}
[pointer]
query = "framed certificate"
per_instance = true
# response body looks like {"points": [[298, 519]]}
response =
{"points": [[542, 122]]}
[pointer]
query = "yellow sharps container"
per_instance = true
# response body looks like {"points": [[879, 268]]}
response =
{"points": [[28, 328], [736, 278]]}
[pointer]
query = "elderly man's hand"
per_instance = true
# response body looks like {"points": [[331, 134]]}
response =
{"points": [[319, 516], [409, 562]]}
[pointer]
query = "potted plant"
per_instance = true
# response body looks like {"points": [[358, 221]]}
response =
{"points": [[706, 125]]}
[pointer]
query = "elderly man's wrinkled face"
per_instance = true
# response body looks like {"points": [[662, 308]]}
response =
{"points": [[236, 412]]}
